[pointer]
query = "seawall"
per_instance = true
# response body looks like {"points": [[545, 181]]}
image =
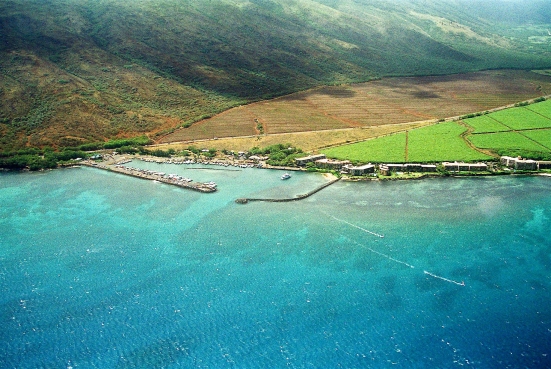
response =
{"points": [[296, 198]]}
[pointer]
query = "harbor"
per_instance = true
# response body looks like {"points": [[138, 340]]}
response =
{"points": [[121, 164], [170, 179]]}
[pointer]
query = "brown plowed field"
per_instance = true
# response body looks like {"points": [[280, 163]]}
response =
{"points": [[385, 102]]}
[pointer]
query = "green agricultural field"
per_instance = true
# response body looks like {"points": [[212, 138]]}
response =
{"points": [[503, 141], [388, 149], [485, 124], [521, 118], [543, 108], [441, 142], [542, 136]]}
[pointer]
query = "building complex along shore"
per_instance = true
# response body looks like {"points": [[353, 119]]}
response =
{"points": [[116, 163]]}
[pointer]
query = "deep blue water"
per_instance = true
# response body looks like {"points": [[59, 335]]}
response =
{"points": [[99, 270]]}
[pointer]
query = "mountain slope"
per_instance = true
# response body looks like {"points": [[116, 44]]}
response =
{"points": [[80, 71]]}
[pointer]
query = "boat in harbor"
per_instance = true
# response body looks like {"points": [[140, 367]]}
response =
{"points": [[286, 176]]}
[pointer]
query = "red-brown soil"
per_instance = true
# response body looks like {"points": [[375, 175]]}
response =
{"points": [[381, 102]]}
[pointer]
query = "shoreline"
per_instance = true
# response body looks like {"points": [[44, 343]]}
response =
{"points": [[229, 165]]}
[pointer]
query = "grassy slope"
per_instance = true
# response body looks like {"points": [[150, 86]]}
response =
{"points": [[78, 71]]}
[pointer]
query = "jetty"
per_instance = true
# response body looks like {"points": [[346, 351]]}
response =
{"points": [[170, 179], [296, 198]]}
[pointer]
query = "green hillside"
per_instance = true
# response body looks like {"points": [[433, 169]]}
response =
{"points": [[77, 71]]}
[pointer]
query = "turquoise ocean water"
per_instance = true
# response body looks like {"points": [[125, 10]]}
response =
{"points": [[99, 270]]}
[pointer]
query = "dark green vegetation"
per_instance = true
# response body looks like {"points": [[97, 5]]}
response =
{"points": [[47, 158], [279, 155], [73, 72], [519, 131], [36, 159]]}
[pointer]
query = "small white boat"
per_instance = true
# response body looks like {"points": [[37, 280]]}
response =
{"points": [[286, 176]]}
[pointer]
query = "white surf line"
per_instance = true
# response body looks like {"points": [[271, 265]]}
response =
{"points": [[462, 283], [355, 226]]}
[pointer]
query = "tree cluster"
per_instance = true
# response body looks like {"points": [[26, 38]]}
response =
{"points": [[279, 154]]}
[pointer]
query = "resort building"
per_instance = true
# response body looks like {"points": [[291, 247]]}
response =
{"points": [[465, 167], [409, 167], [524, 164], [428, 168], [480, 167], [384, 170], [331, 164], [395, 167], [308, 159], [508, 161], [361, 170]]}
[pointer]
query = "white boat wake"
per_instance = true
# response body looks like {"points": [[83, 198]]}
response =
{"points": [[355, 226], [462, 283]]}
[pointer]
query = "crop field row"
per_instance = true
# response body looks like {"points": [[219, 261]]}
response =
{"points": [[485, 124], [526, 129], [529, 141], [511, 130], [381, 102], [521, 118], [542, 136], [533, 116], [391, 149], [308, 141], [543, 108], [433, 143], [439, 142], [282, 117], [331, 119]]}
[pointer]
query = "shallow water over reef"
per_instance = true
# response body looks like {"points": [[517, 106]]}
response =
{"points": [[99, 270]]}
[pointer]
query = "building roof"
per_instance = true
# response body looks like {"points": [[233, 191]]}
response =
{"points": [[365, 166]]}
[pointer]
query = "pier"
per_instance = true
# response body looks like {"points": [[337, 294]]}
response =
{"points": [[296, 198], [153, 176]]}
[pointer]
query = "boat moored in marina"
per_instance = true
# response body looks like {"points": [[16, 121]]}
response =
{"points": [[156, 177]]}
